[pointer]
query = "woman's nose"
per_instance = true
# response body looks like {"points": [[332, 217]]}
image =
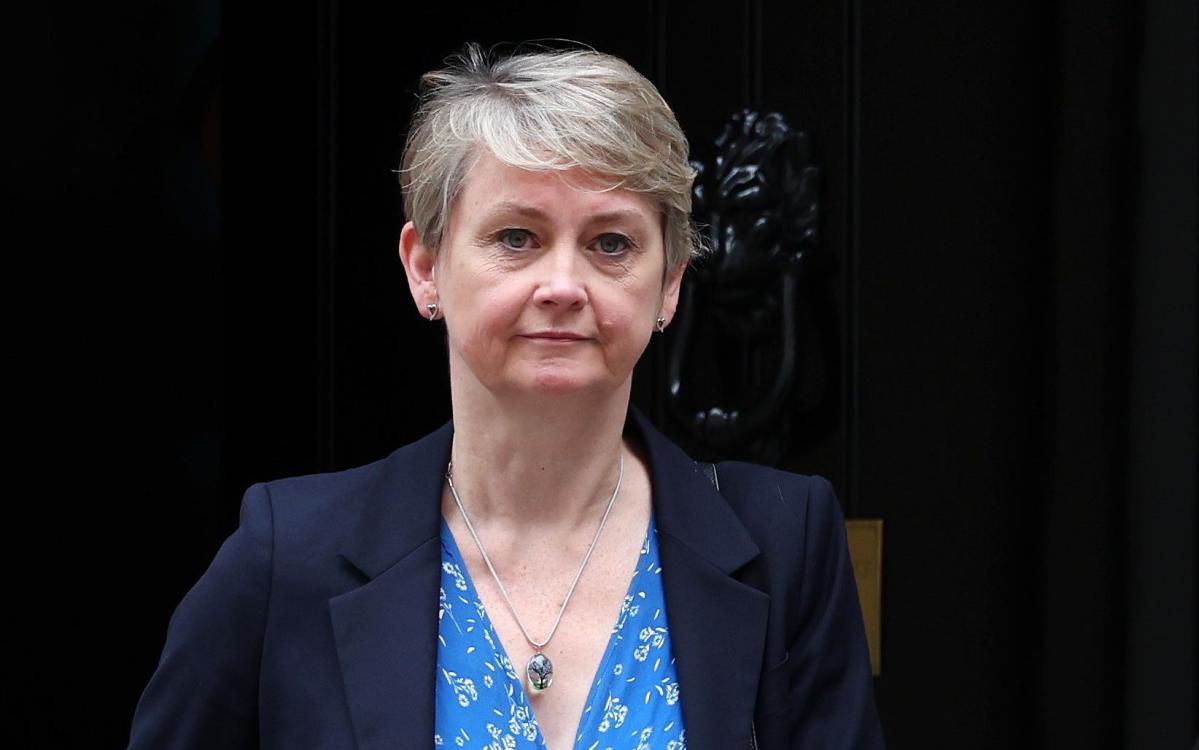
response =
{"points": [[561, 283]]}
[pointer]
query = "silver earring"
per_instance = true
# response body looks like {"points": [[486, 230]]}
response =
{"points": [[661, 324], [432, 308]]}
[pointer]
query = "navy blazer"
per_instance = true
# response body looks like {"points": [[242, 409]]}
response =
{"points": [[316, 624]]}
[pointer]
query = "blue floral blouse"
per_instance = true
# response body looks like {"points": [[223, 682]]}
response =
{"points": [[633, 705]]}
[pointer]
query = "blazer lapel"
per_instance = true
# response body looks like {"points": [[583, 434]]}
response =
{"points": [[717, 623], [386, 629]]}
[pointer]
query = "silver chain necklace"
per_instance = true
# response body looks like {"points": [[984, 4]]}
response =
{"points": [[539, 669]]}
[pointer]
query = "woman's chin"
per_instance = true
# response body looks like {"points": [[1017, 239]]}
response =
{"points": [[560, 386], [560, 383]]}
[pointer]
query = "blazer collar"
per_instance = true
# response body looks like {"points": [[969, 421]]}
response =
{"points": [[403, 507], [386, 629], [687, 505], [717, 623]]}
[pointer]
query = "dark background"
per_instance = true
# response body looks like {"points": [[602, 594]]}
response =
{"points": [[204, 293]]}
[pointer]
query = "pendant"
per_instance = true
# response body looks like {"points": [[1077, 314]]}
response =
{"points": [[540, 671]]}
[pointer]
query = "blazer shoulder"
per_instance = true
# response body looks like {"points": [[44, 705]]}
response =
{"points": [[322, 517], [323, 487], [313, 496], [766, 495], [795, 519], [319, 500]]}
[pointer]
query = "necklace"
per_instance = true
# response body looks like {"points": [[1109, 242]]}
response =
{"points": [[539, 669]]}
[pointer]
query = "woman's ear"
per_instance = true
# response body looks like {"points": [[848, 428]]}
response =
{"points": [[670, 291], [419, 265]]}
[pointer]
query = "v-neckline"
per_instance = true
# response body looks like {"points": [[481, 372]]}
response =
{"points": [[609, 648]]}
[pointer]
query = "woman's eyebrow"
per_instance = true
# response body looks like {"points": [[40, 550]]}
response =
{"points": [[508, 208], [620, 214]]}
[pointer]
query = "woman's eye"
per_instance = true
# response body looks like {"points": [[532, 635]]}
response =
{"points": [[517, 239], [613, 244]]}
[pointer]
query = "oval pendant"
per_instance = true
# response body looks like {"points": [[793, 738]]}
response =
{"points": [[540, 671]]}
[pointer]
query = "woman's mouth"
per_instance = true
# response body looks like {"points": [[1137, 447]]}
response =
{"points": [[564, 337]]}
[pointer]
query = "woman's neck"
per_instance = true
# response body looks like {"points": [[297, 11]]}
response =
{"points": [[550, 463]]}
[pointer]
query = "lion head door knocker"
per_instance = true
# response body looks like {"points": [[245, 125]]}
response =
{"points": [[735, 358]]}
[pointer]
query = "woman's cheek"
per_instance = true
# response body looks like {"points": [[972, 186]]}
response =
{"points": [[478, 342], [614, 326], [624, 335]]}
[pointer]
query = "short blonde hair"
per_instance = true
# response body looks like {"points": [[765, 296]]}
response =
{"points": [[546, 110]]}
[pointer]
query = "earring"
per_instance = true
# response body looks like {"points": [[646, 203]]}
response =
{"points": [[432, 308], [660, 323]]}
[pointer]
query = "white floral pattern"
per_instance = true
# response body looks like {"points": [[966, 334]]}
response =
{"points": [[634, 702]]}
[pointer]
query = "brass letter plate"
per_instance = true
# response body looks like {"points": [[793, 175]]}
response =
{"points": [[866, 550]]}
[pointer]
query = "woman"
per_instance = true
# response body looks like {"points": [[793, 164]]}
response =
{"points": [[464, 590]]}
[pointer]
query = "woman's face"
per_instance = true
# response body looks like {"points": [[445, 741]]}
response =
{"points": [[548, 283]]}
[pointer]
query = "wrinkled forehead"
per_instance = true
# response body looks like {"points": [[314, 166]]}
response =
{"points": [[539, 162], [490, 183]]}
